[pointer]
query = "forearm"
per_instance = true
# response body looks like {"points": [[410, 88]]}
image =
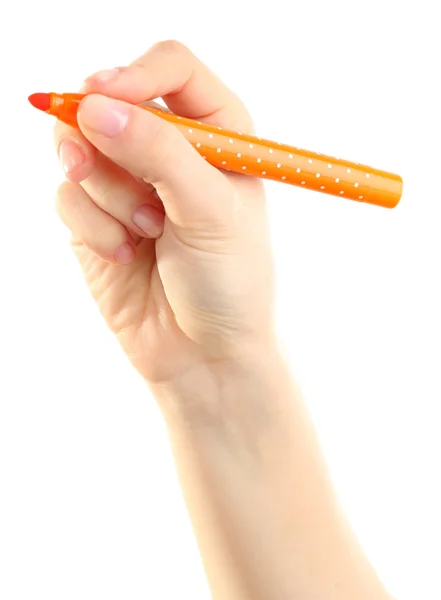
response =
{"points": [[257, 488]]}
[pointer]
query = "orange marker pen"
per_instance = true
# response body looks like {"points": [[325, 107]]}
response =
{"points": [[259, 157]]}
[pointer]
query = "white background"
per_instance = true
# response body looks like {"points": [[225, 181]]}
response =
{"points": [[89, 503]]}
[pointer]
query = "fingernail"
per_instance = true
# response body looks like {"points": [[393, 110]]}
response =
{"points": [[102, 76], [125, 254], [149, 219], [71, 155], [104, 115]]}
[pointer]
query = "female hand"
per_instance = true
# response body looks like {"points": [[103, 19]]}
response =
{"points": [[176, 253]]}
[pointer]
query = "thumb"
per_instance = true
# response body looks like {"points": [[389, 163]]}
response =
{"points": [[195, 195]]}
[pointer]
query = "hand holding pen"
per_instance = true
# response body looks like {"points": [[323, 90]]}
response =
{"points": [[257, 157], [193, 306]]}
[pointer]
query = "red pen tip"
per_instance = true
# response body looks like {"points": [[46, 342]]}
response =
{"points": [[41, 101]]}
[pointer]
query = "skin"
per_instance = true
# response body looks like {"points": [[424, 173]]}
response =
{"points": [[177, 255]]}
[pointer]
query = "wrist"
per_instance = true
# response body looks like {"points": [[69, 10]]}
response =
{"points": [[251, 385]]}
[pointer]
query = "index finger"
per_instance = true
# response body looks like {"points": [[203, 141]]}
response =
{"points": [[77, 154], [189, 88]]}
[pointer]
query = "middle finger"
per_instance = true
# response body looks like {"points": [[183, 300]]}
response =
{"points": [[116, 192]]}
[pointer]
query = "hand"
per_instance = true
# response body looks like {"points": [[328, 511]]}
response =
{"points": [[176, 253]]}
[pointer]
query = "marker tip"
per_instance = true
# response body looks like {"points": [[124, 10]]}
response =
{"points": [[41, 101]]}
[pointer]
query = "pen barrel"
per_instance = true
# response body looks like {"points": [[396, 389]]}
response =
{"points": [[258, 157], [65, 107], [266, 159]]}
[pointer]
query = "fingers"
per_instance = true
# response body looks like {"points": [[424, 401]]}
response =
{"points": [[97, 230], [189, 88], [112, 188], [116, 192], [193, 192], [149, 148], [76, 153]]}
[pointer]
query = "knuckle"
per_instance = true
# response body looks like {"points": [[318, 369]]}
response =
{"points": [[171, 47], [66, 197], [159, 148], [163, 145], [240, 119], [103, 194]]}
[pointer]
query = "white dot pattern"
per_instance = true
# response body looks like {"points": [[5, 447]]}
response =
{"points": [[259, 157]]}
